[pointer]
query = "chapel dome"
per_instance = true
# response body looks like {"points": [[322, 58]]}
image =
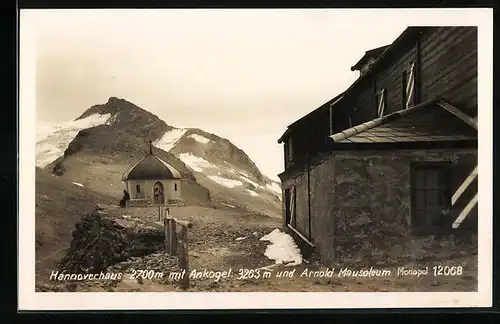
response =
{"points": [[151, 167]]}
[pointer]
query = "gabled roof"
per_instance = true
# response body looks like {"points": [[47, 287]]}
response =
{"points": [[151, 167], [432, 121], [373, 53]]}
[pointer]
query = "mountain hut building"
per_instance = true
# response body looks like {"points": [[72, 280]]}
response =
{"points": [[392, 160]]}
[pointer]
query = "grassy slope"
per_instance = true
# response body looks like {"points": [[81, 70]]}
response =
{"points": [[59, 206]]}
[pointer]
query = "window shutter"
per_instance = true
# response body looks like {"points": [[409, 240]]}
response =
{"points": [[381, 103], [410, 86], [292, 207]]}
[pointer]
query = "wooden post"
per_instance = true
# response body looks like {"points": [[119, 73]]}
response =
{"points": [[173, 238], [166, 225], [183, 257]]}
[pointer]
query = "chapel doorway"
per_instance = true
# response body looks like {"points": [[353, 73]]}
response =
{"points": [[158, 193]]}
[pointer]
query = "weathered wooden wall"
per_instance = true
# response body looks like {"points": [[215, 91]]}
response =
{"points": [[308, 138], [391, 78], [448, 66], [363, 102]]}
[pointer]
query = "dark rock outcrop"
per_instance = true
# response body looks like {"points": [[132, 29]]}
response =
{"points": [[100, 241]]}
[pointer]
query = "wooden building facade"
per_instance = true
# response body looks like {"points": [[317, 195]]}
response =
{"points": [[396, 153]]}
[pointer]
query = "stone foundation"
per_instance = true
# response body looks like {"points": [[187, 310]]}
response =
{"points": [[147, 202]]}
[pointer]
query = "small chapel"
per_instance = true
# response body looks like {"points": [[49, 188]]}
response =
{"points": [[152, 181]]}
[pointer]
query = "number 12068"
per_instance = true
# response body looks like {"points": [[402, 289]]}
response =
{"points": [[447, 271]]}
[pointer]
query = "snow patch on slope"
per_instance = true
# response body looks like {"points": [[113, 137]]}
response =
{"points": [[199, 138], [282, 249], [255, 184], [230, 183], [52, 141], [195, 163], [170, 138]]}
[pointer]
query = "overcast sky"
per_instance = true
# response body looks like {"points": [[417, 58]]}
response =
{"points": [[241, 74]]}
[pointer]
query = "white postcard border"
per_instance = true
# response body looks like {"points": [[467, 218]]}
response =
{"points": [[31, 300]]}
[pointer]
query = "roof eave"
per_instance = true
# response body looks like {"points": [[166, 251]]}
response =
{"points": [[327, 104], [284, 136], [463, 144], [369, 53]]}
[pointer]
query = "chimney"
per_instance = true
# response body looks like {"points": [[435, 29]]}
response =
{"points": [[150, 147]]}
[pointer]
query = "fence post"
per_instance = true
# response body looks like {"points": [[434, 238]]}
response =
{"points": [[166, 226], [173, 238], [183, 257]]}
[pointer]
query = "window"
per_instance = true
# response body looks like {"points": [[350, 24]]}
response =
{"points": [[290, 150], [431, 198], [409, 86], [351, 114], [381, 102], [138, 188], [175, 186]]}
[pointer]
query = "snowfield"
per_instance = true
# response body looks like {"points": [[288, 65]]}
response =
{"points": [[255, 184], [230, 183], [196, 163], [52, 141], [282, 249], [199, 138], [170, 138]]}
